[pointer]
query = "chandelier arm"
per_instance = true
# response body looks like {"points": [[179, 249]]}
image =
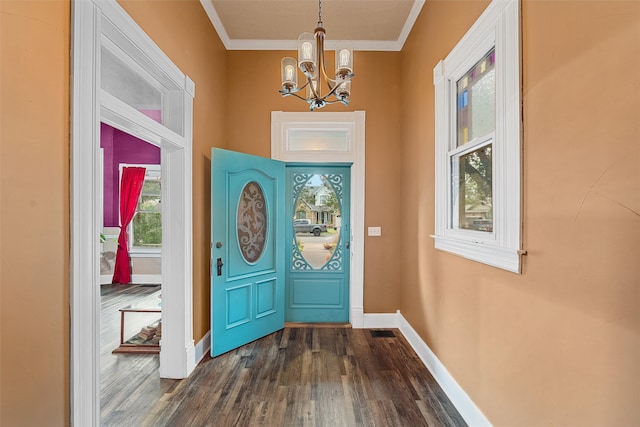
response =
{"points": [[296, 95], [333, 90], [312, 87], [285, 91]]}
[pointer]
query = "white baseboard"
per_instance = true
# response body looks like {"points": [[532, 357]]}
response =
{"points": [[381, 320], [146, 279], [177, 365], [191, 358], [463, 403], [143, 279], [357, 317], [203, 347]]}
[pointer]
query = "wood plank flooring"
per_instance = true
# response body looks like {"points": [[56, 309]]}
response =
{"points": [[129, 383], [307, 376]]}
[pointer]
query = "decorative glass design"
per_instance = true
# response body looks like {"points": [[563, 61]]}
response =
{"points": [[317, 242], [475, 189], [476, 100], [252, 222]]}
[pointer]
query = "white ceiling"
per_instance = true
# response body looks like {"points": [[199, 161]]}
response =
{"points": [[276, 24]]}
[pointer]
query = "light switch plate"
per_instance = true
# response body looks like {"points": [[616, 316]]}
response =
{"points": [[375, 231]]}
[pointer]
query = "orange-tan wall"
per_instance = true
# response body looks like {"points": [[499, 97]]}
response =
{"points": [[556, 345], [254, 79], [34, 167], [34, 214], [559, 344], [184, 33]]}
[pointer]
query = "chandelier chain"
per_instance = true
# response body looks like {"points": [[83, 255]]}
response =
{"points": [[319, 13]]}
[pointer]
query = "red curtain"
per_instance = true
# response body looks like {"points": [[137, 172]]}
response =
{"points": [[130, 189]]}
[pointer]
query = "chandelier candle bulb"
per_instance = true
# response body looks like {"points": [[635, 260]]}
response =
{"points": [[344, 59], [289, 73], [307, 53]]}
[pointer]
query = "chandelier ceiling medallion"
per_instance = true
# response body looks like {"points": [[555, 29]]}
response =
{"points": [[312, 64]]}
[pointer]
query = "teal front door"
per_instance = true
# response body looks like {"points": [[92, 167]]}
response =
{"points": [[247, 248], [318, 237]]}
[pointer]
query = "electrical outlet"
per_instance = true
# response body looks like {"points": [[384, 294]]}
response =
{"points": [[375, 231]]}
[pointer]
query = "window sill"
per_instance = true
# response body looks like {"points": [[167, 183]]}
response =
{"points": [[145, 253], [493, 255]]}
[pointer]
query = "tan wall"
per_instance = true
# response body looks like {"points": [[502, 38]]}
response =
{"points": [[34, 383], [254, 79], [559, 344], [183, 31], [556, 345], [34, 222]]}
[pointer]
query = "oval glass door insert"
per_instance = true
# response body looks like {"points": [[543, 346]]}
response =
{"points": [[252, 222], [317, 222]]}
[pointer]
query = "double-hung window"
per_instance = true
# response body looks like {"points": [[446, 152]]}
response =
{"points": [[145, 230], [478, 142]]}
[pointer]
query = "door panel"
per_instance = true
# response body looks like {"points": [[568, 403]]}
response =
{"points": [[247, 262], [318, 266]]}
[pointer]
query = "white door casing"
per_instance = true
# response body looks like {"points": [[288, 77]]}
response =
{"points": [[340, 150], [98, 24]]}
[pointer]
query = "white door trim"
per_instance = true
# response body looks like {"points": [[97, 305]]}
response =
{"points": [[96, 22], [353, 152]]}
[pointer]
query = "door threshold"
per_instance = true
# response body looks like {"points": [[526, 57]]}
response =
{"points": [[317, 325]]}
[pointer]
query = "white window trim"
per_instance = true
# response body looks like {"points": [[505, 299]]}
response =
{"points": [[499, 26], [134, 251]]}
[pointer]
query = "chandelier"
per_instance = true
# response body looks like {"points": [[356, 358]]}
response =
{"points": [[312, 65]]}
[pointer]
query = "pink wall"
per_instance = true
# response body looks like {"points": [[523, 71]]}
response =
{"points": [[120, 147]]}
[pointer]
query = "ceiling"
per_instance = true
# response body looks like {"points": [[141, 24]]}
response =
{"points": [[275, 24]]}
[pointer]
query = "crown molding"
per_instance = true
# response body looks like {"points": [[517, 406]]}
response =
{"points": [[360, 45]]}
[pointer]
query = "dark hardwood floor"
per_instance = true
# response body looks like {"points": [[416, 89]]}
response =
{"points": [[295, 377]]}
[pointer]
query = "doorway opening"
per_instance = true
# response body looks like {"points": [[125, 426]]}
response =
{"points": [[331, 138], [130, 310], [122, 78], [318, 235]]}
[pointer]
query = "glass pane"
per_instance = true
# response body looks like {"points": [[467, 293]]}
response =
{"points": [[475, 190], [476, 100], [317, 222], [147, 223], [129, 87], [150, 196], [147, 230], [331, 140], [159, 100], [252, 222]]}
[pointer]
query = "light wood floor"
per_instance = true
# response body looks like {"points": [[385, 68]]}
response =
{"points": [[295, 377]]}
